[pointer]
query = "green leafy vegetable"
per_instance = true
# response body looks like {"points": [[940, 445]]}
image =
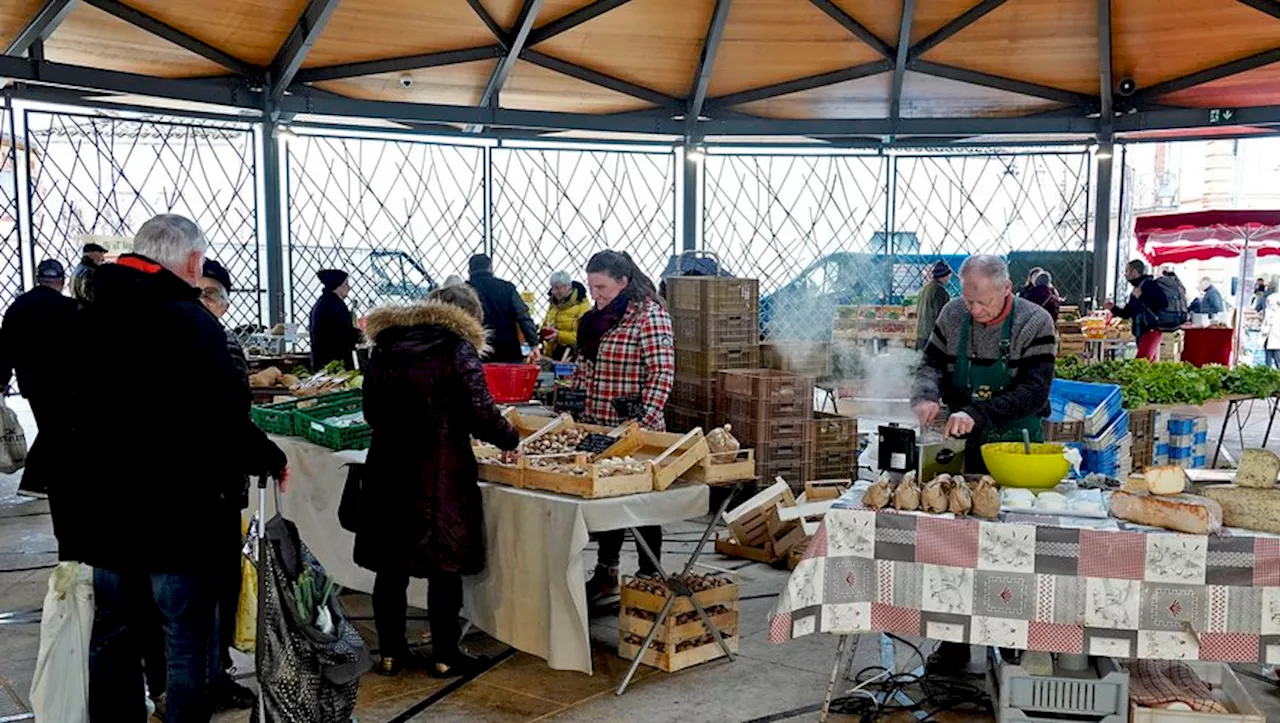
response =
{"points": [[1144, 383]]}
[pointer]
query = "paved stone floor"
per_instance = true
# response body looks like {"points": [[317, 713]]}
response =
{"points": [[765, 680]]}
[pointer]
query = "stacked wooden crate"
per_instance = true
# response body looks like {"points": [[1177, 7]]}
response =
{"points": [[716, 326], [683, 640], [772, 412], [835, 445], [1071, 338]]}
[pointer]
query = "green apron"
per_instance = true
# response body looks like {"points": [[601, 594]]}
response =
{"points": [[983, 382]]}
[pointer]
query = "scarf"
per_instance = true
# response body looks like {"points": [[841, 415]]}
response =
{"points": [[596, 323]]}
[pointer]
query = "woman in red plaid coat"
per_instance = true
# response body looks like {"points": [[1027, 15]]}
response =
{"points": [[626, 365]]}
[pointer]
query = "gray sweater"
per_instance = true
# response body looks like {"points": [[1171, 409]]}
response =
{"points": [[1032, 351]]}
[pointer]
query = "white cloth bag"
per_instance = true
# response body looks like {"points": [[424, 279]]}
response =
{"points": [[60, 688], [13, 441]]}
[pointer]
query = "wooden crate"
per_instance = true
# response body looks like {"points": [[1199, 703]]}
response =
{"points": [[670, 662], [826, 489], [672, 632], [721, 467], [748, 521], [730, 547], [489, 471], [636, 598], [593, 485], [792, 526], [672, 455]]}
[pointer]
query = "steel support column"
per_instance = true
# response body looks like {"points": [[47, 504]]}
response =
{"points": [[272, 183], [692, 197]]}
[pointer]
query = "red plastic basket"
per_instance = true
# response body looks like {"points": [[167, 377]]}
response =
{"points": [[511, 382]]}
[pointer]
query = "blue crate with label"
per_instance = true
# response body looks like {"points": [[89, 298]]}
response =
{"points": [[1182, 425], [1162, 449], [1096, 405], [1201, 437], [1182, 440], [1181, 453], [1118, 428]]}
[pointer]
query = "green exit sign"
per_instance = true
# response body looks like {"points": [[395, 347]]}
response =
{"points": [[1221, 115]]}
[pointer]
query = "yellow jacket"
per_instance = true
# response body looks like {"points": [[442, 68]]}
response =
{"points": [[563, 316]]}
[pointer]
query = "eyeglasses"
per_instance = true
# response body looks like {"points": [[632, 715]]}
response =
{"points": [[214, 295]]}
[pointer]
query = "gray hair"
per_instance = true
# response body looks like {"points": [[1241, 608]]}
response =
{"points": [[561, 278], [169, 239], [992, 267]]}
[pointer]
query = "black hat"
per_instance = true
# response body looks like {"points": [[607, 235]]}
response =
{"points": [[480, 262], [50, 270], [941, 270], [331, 278], [216, 271], [92, 248]]}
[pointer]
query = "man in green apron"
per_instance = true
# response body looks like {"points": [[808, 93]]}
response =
{"points": [[990, 361]]}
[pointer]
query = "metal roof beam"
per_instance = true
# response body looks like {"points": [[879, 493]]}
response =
{"points": [[604, 81], [41, 25], [900, 63], [162, 30], [706, 65], [1270, 7], [395, 65], [515, 44], [1208, 75], [800, 84], [498, 33], [572, 20], [227, 91], [858, 29], [950, 72], [304, 35], [972, 15]]}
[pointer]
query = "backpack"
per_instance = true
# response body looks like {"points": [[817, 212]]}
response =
{"points": [[1174, 314]]}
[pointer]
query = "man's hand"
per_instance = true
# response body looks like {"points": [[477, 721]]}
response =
{"points": [[926, 411], [511, 457], [283, 479], [958, 425], [1137, 291], [534, 356], [1109, 305]]}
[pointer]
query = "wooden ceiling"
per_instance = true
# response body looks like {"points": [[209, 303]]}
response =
{"points": [[1051, 47]]}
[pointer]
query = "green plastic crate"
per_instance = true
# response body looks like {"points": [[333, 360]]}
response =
{"points": [[281, 417], [313, 423]]}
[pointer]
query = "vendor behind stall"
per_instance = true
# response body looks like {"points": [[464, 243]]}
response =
{"points": [[626, 366], [333, 334], [991, 361], [569, 302]]}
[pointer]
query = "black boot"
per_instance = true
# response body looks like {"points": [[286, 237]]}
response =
{"points": [[602, 585]]}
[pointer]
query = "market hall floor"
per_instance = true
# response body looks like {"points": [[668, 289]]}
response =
{"points": [[765, 679]]}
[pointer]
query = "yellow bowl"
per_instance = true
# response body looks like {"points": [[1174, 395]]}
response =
{"points": [[1044, 468]]}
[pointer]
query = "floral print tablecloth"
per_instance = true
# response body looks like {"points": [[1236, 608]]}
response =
{"points": [[1067, 585]]}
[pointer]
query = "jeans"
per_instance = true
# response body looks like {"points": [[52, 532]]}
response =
{"points": [[187, 608], [444, 602], [1273, 358], [611, 548]]}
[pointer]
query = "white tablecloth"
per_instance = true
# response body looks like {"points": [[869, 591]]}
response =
{"points": [[532, 594]]}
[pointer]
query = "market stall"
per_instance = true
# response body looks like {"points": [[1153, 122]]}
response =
{"points": [[1200, 235], [532, 595]]}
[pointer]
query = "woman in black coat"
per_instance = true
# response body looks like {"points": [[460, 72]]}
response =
{"points": [[333, 336], [425, 397]]}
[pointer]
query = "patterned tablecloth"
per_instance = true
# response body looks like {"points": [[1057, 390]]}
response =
{"points": [[1066, 585]]}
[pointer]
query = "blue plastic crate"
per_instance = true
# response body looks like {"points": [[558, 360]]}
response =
{"points": [[1179, 424], [1101, 402], [1202, 438], [1180, 453], [1118, 428], [1162, 449], [564, 369], [1198, 461]]}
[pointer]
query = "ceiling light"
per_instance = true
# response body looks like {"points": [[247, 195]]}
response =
{"points": [[694, 154]]}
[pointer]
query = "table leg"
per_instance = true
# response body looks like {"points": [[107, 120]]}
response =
{"points": [[1222, 436], [653, 632], [1274, 404], [831, 683], [711, 526]]}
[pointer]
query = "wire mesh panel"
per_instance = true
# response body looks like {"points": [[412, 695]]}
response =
{"points": [[809, 227], [397, 216], [10, 240], [553, 209], [1031, 208], [101, 178]]}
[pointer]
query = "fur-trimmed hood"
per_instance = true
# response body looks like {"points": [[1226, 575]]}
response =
{"points": [[429, 313]]}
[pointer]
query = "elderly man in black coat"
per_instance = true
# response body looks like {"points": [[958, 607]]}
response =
{"points": [[148, 509], [333, 335], [35, 329]]}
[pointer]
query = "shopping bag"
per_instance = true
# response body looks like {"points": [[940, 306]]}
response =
{"points": [[247, 610], [13, 441], [60, 688]]}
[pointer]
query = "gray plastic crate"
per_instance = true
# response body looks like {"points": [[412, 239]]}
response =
{"points": [[1099, 695]]}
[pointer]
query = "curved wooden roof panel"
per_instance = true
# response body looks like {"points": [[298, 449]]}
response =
{"points": [[752, 68]]}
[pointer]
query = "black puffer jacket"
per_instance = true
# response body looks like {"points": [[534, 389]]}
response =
{"points": [[506, 316], [162, 438], [425, 397]]}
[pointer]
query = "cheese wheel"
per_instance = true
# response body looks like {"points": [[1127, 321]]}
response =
{"points": [[1165, 480], [1246, 507], [1258, 468]]}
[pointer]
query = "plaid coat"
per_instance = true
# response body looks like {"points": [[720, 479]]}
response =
{"points": [[636, 357]]}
